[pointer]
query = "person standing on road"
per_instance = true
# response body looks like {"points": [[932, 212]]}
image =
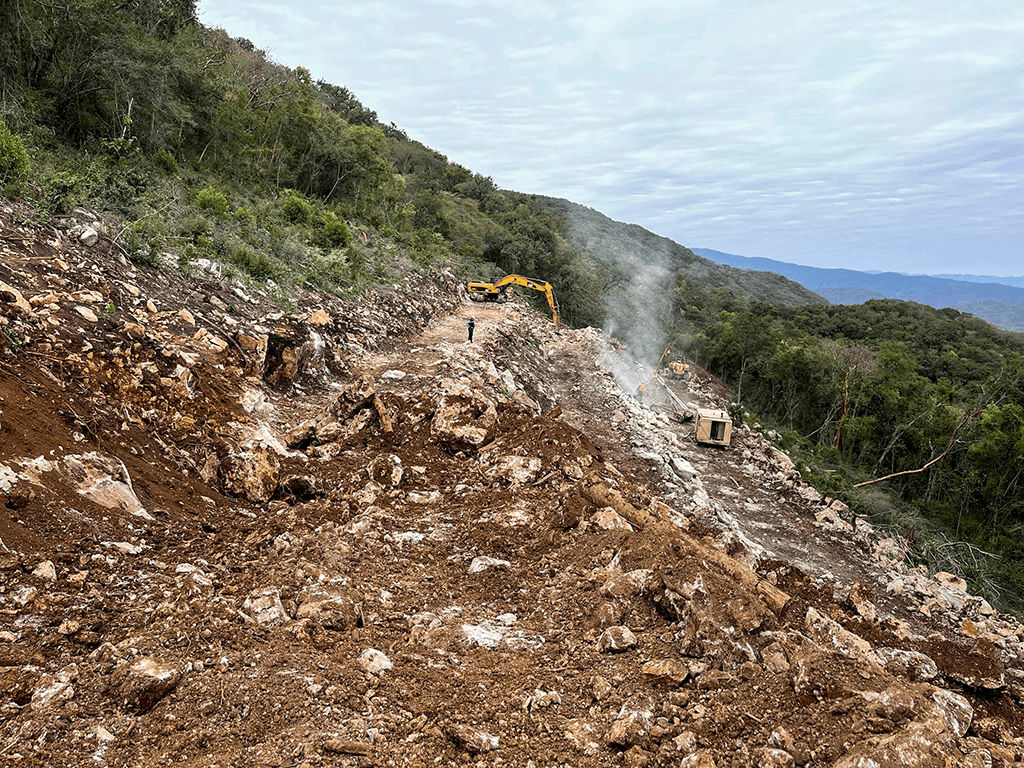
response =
{"points": [[470, 325]]}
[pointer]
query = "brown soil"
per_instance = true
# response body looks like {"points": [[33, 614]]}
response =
{"points": [[510, 651]]}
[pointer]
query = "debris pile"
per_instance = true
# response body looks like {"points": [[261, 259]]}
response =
{"points": [[349, 537]]}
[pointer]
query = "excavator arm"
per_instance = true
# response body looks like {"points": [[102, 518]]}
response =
{"points": [[497, 291]]}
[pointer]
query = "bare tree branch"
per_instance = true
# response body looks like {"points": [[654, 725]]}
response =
{"points": [[969, 416]]}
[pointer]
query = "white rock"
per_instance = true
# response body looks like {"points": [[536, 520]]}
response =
{"points": [[144, 682], [375, 662], [89, 237], [483, 563], [408, 537], [264, 606], [51, 690], [615, 640], [485, 635], [124, 547], [607, 519], [474, 741], [954, 710], [683, 468], [428, 497], [103, 479], [46, 571]]}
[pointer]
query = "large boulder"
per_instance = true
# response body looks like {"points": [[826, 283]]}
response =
{"points": [[138, 686], [251, 475]]}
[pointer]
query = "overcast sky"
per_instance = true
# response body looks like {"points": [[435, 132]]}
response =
{"points": [[874, 135]]}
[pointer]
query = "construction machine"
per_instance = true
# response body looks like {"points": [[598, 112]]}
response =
{"points": [[713, 427], [498, 291], [679, 370]]}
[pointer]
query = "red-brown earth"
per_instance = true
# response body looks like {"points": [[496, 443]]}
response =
{"points": [[231, 536]]}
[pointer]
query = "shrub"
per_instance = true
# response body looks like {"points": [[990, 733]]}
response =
{"points": [[194, 227], [209, 199], [244, 215], [334, 234], [328, 273], [142, 243], [14, 162], [165, 161], [256, 264], [60, 193], [297, 209]]}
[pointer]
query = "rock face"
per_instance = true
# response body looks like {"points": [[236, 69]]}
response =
{"points": [[346, 537]]}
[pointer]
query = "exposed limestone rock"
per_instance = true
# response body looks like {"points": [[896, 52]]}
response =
{"points": [[616, 640], [328, 606], [141, 684], [667, 672], [374, 662], [472, 740], [756, 637], [251, 475], [630, 727], [103, 479], [909, 664], [483, 562], [55, 689], [265, 608], [12, 297], [462, 422], [89, 237]]}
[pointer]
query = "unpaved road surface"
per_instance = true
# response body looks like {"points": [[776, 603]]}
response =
{"points": [[348, 537]]}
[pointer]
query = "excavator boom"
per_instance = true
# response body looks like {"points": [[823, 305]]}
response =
{"points": [[497, 291]]}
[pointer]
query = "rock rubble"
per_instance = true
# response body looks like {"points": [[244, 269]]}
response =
{"points": [[232, 536]]}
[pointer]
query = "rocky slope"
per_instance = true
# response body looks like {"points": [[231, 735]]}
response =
{"points": [[235, 537]]}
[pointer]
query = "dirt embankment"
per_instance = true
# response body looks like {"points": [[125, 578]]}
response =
{"points": [[231, 537]]}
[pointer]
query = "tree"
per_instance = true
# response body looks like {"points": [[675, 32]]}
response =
{"points": [[854, 365]]}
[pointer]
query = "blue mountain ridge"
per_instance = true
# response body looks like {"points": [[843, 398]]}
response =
{"points": [[1000, 302]]}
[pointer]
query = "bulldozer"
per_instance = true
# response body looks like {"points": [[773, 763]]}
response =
{"points": [[678, 369], [498, 291]]}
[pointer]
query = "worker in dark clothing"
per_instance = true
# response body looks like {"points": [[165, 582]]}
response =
{"points": [[470, 325]]}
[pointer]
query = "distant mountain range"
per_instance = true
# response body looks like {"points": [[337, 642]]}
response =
{"points": [[999, 300]]}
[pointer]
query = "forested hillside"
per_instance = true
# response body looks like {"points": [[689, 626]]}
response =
{"points": [[1000, 300], [641, 270], [194, 151], [211, 153], [933, 398]]}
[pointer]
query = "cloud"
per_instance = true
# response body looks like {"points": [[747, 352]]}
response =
{"points": [[844, 135]]}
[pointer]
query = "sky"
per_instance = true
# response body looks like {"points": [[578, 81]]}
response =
{"points": [[869, 135]]}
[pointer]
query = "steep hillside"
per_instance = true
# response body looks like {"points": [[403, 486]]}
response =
{"points": [[1002, 304], [643, 269], [346, 536], [632, 248]]}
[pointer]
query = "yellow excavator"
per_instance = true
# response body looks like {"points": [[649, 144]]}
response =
{"points": [[498, 291]]}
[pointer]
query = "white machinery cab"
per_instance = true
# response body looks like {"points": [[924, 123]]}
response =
{"points": [[712, 427]]}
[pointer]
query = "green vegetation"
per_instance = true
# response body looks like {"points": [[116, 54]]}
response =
{"points": [[14, 162], [216, 152], [888, 388]]}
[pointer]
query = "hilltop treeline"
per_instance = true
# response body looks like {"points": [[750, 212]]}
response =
{"points": [[215, 153], [888, 387]]}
